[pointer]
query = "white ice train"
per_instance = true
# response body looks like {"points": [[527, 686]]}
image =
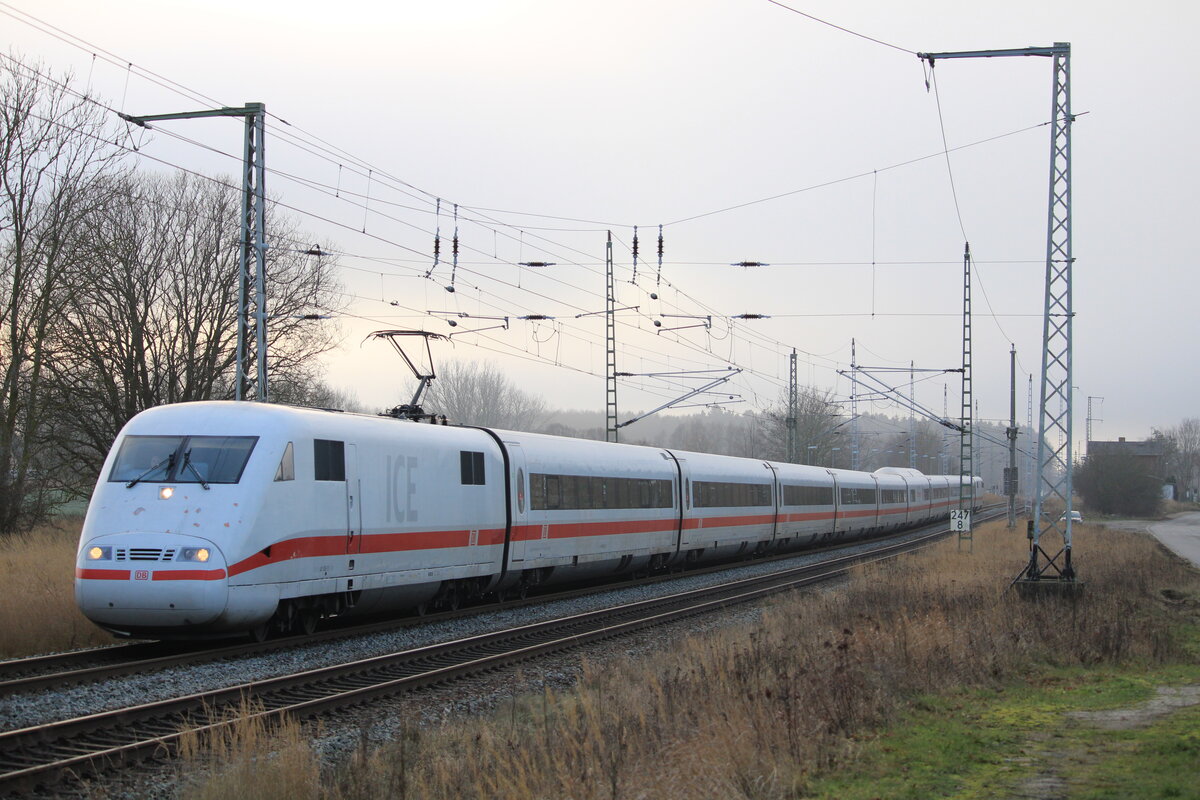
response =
{"points": [[218, 517]]}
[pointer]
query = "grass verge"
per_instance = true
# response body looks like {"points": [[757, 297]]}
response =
{"points": [[922, 678], [37, 571]]}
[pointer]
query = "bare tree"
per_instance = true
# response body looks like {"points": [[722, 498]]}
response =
{"points": [[154, 317], [310, 389], [818, 424], [1181, 452], [54, 159], [478, 393]]}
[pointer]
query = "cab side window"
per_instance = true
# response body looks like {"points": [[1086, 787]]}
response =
{"points": [[329, 460], [287, 465], [471, 468]]}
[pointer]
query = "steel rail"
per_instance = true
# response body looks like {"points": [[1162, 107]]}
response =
{"points": [[42, 754]]}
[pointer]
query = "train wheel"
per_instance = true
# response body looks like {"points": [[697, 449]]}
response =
{"points": [[308, 622], [260, 633]]}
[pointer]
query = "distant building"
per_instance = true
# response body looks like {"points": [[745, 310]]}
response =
{"points": [[1148, 453]]}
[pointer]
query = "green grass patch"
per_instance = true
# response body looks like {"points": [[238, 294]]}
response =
{"points": [[983, 744], [1159, 761]]}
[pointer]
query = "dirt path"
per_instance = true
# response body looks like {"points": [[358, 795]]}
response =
{"points": [[1052, 753]]}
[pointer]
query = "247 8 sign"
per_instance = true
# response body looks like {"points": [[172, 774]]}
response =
{"points": [[960, 520]]}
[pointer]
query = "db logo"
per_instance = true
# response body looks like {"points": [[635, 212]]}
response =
{"points": [[141, 575]]}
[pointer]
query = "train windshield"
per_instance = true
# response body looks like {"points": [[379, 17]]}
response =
{"points": [[182, 459]]}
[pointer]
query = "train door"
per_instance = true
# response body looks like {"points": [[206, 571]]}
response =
{"points": [[685, 502], [353, 501], [518, 502], [777, 495], [878, 502], [835, 522]]}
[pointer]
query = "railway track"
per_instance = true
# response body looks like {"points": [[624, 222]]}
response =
{"points": [[56, 670], [62, 669], [43, 754]]}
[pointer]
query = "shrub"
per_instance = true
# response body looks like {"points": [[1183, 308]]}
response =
{"points": [[1115, 483]]}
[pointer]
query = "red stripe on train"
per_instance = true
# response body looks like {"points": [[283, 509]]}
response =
{"points": [[188, 575], [102, 574]]}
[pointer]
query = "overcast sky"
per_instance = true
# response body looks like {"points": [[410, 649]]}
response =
{"points": [[589, 117]]}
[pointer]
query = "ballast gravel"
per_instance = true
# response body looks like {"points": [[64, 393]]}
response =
{"points": [[74, 701]]}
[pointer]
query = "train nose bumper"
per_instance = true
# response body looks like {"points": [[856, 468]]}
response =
{"points": [[139, 582]]}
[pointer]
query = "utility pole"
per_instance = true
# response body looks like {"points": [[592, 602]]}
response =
{"points": [[252, 310], [945, 459], [1029, 455], [610, 342], [912, 420], [1091, 419], [793, 443], [1054, 465], [1010, 474], [853, 407]]}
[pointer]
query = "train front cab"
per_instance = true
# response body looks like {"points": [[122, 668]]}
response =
{"points": [[164, 520]]}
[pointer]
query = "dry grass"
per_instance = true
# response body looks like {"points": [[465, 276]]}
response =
{"points": [[1171, 507], [756, 713], [37, 572], [252, 758]]}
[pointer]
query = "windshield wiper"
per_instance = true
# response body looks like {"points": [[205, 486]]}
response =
{"points": [[187, 464], [168, 462]]}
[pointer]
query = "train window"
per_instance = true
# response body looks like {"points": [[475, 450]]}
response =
{"points": [[808, 495], [570, 491], [578, 492], [537, 491], [471, 465], [854, 496], [329, 460], [287, 465], [182, 459], [892, 495], [553, 492], [721, 494], [597, 492], [147, 458]]}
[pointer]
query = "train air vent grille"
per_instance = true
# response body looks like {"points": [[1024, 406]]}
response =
{"points": [[146, 554]]}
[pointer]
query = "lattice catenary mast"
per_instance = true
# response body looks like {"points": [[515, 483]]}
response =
{"points": [[610, 346], [252, 309], [1052, 508], [966, 431]]}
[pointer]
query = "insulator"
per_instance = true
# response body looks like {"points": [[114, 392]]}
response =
{"points": [[454, 246], [437, 247]]}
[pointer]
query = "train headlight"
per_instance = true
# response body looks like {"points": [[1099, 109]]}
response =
{"points": [[99, 554], [166, 492], [200, 554]]}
